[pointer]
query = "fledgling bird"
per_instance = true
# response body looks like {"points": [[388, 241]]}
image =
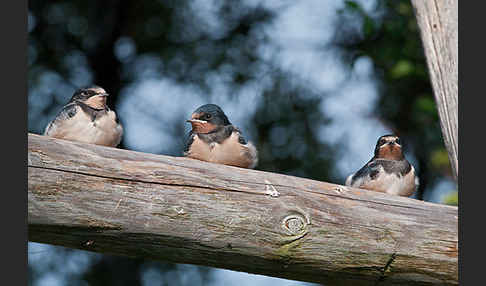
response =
{"points": [[214, 139], [86, 118], [388, 171]]}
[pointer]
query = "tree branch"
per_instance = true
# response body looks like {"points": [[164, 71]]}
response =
{"points": [[186, 211]]}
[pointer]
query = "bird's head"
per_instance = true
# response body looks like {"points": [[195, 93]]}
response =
{"points": [[94, 97], [208, 118], [389, 147]]}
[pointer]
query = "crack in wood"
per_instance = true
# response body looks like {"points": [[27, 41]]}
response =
{"points": [[289, 244], [386, 268], [142, 181], [227, 189], [350, 241], [206, 187]]}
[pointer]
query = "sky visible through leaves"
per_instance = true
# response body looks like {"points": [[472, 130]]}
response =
{"points": [[312, 83]]}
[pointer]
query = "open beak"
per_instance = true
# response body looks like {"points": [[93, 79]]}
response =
{"points": [[196, 121], [200, 126]]}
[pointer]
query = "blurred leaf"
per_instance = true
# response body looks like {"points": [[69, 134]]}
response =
{"points": [[404, 9], [352, 5], [70, 37], [368, 26], [412, 25], [402, 68], [451, 199], [426, 104], [440, 158], [406, 104]]}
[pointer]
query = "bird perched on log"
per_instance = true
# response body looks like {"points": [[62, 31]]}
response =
{"points": [[214, 139], [388, 171], [86, 118]]}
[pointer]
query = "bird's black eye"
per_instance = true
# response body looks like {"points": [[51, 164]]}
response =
{"points": [[207, 116], [382, 141], [398, 141]]}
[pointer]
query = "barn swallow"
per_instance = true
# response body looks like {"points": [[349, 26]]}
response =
{"points": [[86, 118], [388, 171], [214, 139]]}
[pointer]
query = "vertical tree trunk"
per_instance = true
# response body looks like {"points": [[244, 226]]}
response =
{"points": [[438, 23]]}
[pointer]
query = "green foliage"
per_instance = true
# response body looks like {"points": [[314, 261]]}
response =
{"points": [[73, 43], [406, 103], [451, 199], [402, 68]]}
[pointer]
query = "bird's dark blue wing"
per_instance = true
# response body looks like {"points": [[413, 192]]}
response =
{"points": [[68, 111], [188, 142], [241, 139], [371, 170]]}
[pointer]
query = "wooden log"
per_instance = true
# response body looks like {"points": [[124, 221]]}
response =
{"points": [[438, 24], [186, 211]]}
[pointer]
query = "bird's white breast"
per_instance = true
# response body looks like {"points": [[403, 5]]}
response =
{"points": [[229, 152], [388, 183], [102, 131]]}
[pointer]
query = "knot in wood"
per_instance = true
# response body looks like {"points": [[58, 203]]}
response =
{"points": [[295, 224]]}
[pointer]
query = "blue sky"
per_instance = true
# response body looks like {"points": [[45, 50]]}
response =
{"points": [[296, 40]]}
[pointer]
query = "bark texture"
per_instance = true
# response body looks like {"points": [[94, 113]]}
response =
{"points": [[438, 24], [186, 211]]}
